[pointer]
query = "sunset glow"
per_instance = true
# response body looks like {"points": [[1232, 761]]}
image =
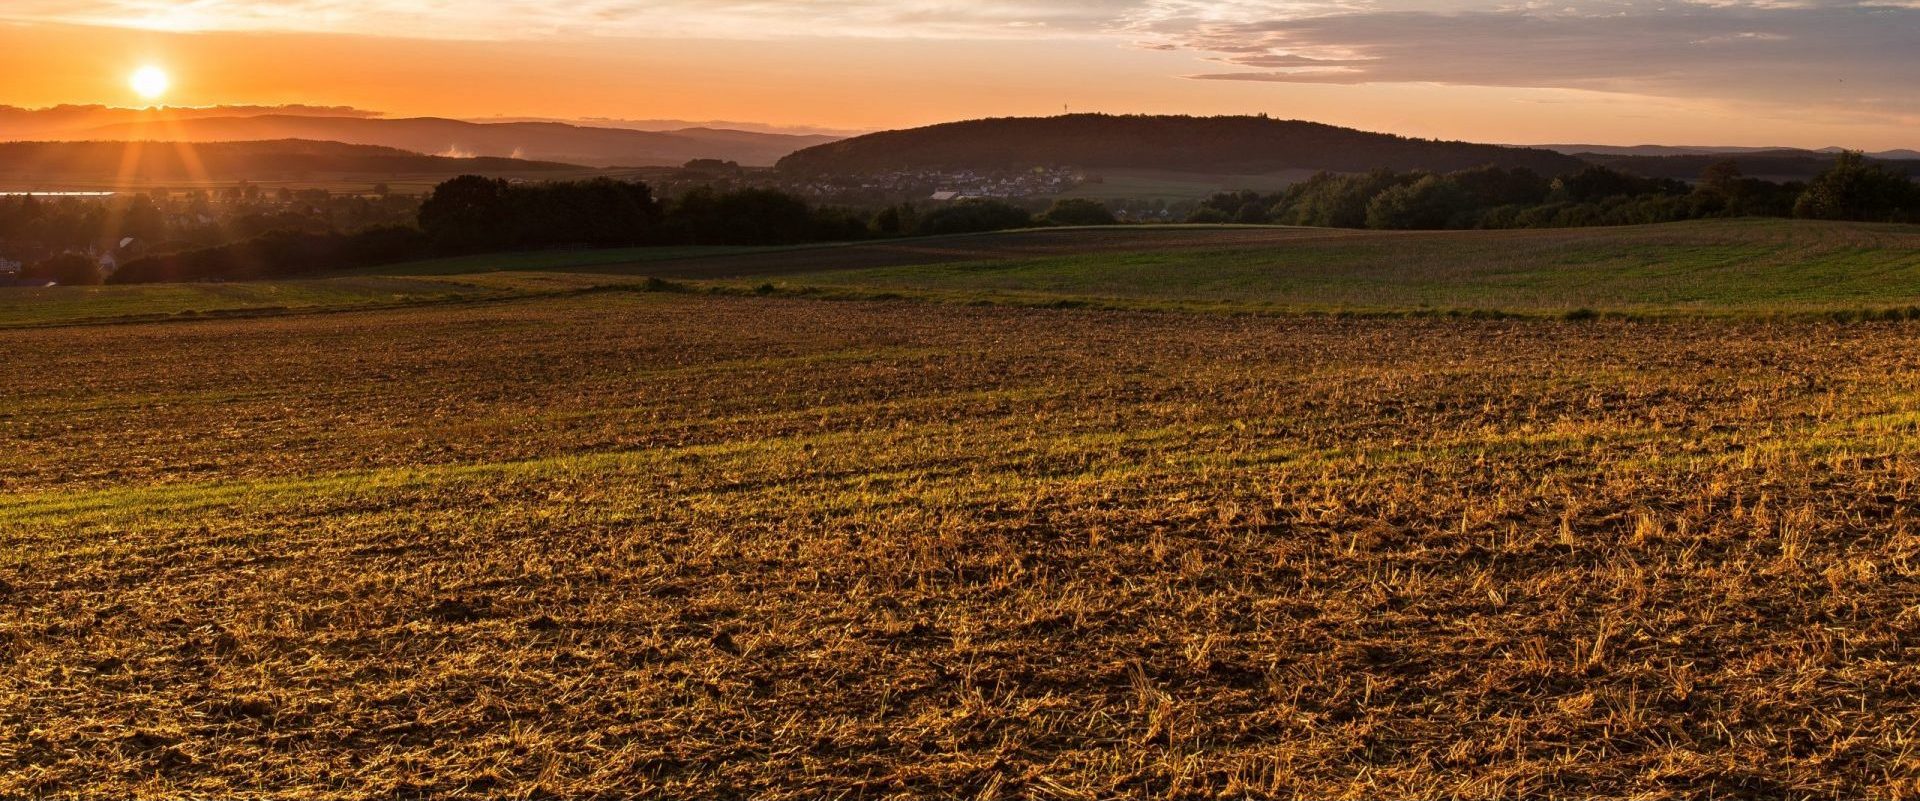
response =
{"points": [[1813, 74]]}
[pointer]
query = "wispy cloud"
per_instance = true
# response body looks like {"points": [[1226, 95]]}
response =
{"points": [[1861, 55]]}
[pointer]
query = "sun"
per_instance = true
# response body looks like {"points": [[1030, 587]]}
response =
{"points": [[149, 82]]}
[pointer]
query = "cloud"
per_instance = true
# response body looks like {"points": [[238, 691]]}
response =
{"points": [[524, 19], [1855, 55], [1862, 56]]}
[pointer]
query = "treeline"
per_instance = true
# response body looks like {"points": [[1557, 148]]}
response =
{"points": [[278, 253], [33, 227], [478, 215], [472, 214], [1494, 197], [1780, 165]]}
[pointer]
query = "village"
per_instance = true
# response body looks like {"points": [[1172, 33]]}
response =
{"points": [[939, 185]]}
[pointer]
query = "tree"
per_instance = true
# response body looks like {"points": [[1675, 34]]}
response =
{"points": [[895, 220], [1333, 200], [1492, 186], [971, 216], [466, 213], [1078, 211], [139, 218], [764, 217], [1721, 177], [1598, 183], [67, 269], [602, 212], [1853, 189], [1431, 202], [278, 253]]}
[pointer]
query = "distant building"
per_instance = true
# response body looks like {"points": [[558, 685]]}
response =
{"points": [[944, 197], [10, 269]]}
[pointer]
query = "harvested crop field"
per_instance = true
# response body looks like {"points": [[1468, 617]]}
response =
{"points": [[663, 544]]}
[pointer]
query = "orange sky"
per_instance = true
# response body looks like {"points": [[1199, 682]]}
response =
{"points": [[1378, 72]]}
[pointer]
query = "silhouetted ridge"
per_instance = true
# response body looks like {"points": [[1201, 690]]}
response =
{"points": [[1194, 144], [228, 161]]}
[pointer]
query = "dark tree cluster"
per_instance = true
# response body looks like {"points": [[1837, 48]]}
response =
{"points": [[472, 214], [1078, 211], [972, 216], [1800, 165], [755, 216], [132, 226], [1855, 189], [1495, 197], [278, 253], [66, 269]]}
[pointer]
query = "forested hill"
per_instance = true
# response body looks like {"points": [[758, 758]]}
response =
{"points": [[141, 162], [1772, 165], [1193, 144]]}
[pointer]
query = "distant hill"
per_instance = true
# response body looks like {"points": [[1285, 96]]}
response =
{"points": [[40, 163], [58, 123], [1189, 144], [682, 125], [544, 141], [1696, 150], [1772, 165]]}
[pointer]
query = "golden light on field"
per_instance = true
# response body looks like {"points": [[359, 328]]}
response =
{"points": [[149, 82]]}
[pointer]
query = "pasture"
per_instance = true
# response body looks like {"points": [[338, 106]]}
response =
{"points": [[561, 533], [1741, 267]]}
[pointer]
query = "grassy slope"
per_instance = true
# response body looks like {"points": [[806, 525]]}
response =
{"points": [[690, 546], [1702, 268], [1709, 267], [70, 304], [27, 308], [550, 260]]}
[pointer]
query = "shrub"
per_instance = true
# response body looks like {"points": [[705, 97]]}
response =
{"points": [[973, 216], [1078, 211]]}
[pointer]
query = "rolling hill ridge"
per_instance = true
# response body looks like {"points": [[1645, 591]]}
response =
{"points": [[1191, 144], [30, 163], [539, 141]]}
